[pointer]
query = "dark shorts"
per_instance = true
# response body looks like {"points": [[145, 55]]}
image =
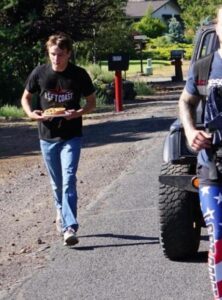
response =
{"points": [[203, 175]]}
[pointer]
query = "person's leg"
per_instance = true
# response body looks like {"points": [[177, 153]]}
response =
{"points": [[70, 154], [211, 206], [51, 155]]}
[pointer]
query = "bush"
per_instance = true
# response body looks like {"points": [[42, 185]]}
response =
{"points": [[99, 75], [160, 48], [161, 41], [143, 89], [104, 85], [150, 26], [11, 111], [101, 80]]}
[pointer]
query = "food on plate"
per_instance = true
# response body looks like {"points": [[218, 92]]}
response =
{"points": [[53, 111]]}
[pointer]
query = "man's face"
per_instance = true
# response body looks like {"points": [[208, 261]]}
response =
{"points": [[219, 26], [59, 58]]}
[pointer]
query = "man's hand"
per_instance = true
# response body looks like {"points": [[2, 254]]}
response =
{"points": [[36, 115], [26, 105], [89, 107], [72, 114], [199, 139]]}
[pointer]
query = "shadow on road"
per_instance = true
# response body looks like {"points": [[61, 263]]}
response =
{"points": [[22, 139], [199, 257], [18, 139], [112, 132], [141, 240]]}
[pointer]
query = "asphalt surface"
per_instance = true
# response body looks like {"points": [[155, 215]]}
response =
{"points": [[119, 255]]}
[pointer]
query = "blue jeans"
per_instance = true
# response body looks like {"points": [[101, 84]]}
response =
{"points": [[61, 160]]}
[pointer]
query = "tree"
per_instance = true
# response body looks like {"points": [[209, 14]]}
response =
{"points": [[25, 26], [196, 11], [108, 39], [152, 27], [77, 17], [175, 31]]}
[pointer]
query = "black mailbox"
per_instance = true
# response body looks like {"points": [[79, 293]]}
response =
{"points": [[176, 54], [118, 62]]}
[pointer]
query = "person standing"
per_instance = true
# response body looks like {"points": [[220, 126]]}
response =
{"points": [[208, 145], [60, 83]]}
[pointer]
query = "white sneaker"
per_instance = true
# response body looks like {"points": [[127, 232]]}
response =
{"points": [[59, 222], [70, 237]]}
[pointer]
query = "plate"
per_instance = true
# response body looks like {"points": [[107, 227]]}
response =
{"points": [[56, 116]]}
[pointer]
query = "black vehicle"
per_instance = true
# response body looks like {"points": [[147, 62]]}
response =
{"points": [[180, 216]]}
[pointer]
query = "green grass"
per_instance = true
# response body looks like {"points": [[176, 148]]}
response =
{"points": [[160, 67], [134, 65], [11, 111]]}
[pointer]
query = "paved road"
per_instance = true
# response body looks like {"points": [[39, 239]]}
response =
{"points": [[119, 256]]}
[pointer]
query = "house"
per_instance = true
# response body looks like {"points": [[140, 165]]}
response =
{"points": [[162, 9]]}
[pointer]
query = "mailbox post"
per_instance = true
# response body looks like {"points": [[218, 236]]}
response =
{"points": [[176, 60], [118, 62], [118, 91]]}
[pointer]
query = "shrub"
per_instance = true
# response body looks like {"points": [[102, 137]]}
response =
{"points": [[11, 111], [160, 48], [150, 26], [143, 88], [99, 75], [161, 41], [101, 80]]}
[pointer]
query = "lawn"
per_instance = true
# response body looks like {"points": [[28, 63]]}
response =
{"points": [[161, 68]]}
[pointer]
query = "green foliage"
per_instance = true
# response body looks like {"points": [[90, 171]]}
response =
{"points": [[78, 18], [160, 49], [175, 31], [101, 80], [26, 25], [7, 4], [161, 41], [196, 11], [98, 74], [11, 111], [109, 38], [115, 37], [143, 89], [149, 26]]}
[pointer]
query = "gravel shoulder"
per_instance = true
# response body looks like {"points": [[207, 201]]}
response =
{"points": [[27, 214]]}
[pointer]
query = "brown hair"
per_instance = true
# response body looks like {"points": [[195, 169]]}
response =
{"points": [[62, 40]]}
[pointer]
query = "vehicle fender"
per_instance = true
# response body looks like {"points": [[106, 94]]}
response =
{"points": [[171, 144]]}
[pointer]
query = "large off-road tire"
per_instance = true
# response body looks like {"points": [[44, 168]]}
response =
{"points": [[179, 216]]}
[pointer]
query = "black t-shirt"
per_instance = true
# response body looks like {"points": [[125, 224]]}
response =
{"points": [[59, 89]]}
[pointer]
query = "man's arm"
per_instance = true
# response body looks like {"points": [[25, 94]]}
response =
{"points": [[88, 107], [90, 104], [26, 105], [197, 139]]}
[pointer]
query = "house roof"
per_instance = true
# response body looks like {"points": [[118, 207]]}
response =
{"points": [[138, 8]]}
